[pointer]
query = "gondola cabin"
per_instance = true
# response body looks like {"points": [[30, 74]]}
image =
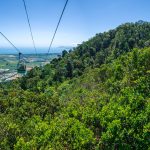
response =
{"points": [[21, 66]]}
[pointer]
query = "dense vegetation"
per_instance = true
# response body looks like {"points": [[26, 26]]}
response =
{"points": [[96, 96]]}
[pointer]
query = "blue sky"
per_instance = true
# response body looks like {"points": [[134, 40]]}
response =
{"points": [[82, 19]]}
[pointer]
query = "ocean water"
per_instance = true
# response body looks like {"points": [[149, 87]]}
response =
{"points": [[32, 51]]}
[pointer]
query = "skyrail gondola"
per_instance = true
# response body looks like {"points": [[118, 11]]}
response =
{"points": [[21, 66]]}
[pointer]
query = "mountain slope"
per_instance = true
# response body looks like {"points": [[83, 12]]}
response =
{"points": [[95, 97], [103, 48]]}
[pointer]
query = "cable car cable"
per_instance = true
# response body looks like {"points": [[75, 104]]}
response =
{"points": [[28, 20], [57, 26], [21, 63], [10, 42], [12, 45]]}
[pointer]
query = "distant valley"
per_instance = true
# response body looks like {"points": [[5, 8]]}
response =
{"points": [[8, 63]]}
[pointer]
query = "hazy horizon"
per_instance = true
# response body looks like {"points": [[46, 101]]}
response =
{"points": [[30, 50]]}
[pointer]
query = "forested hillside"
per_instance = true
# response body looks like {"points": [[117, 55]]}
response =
{"points": [[96, 96]]}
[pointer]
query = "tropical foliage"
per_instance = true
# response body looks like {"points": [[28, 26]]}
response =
{"points": [[96, 96]]}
